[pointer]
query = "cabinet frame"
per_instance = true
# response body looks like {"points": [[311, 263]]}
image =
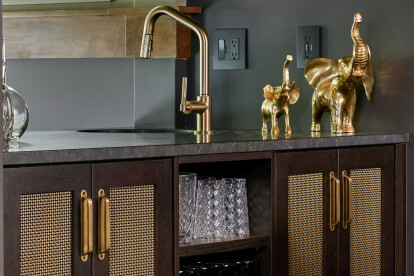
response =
{"points": [[154, 172], [43, 179], [295, 163], [372, 157]]}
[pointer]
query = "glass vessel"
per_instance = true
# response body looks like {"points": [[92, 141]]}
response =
{"points": [[20, 118], [242, 210], [187, 197], [203, 226], [7, 117], [230, 204], [20, 111], [210, 222]]}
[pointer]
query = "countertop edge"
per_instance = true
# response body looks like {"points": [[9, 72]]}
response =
{"points": [[164, 151]]}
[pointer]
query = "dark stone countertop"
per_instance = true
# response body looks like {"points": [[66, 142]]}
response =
{"points": [[42, 147]]}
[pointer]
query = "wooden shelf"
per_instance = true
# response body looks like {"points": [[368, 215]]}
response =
{"points": [[106, 33], [202, 247]]}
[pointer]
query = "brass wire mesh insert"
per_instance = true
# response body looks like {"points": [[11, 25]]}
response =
{"points": [[305, 224], [365, 228], [46, 234], [132, 225]]}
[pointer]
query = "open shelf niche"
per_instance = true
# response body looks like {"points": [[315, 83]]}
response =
{"points": [[256, 168]]}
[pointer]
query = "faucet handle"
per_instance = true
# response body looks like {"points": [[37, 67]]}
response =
{"points": [[183, 105], [188, 107]]}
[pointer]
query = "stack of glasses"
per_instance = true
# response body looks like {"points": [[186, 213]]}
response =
{"points": [[220, 208]]}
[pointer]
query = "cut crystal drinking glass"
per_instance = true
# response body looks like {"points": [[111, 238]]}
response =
{"points": [[187, 190]]}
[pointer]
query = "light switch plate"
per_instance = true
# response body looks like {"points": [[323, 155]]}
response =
{"points": [[307, 44], [234, 54]]}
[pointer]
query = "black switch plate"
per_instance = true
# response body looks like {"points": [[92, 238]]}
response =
{"points": [[234, 54]]}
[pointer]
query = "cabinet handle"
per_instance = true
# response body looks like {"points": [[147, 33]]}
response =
{"points": [[346, 199], [103, 224], [334, 208], [86, 226]]}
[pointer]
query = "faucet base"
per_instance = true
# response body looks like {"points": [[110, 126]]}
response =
{"points": [[201, 132]]}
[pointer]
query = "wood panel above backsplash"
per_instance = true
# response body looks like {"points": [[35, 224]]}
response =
{"points": [[105, 33]]}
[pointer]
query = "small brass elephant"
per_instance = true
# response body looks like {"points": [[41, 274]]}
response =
{"points": [[334, 83], [276, 103]]}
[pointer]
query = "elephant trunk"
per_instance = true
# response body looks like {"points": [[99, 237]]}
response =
{"points": [[361, 55], [286, 79]]}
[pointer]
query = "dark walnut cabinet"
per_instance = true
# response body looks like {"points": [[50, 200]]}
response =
{"points": [[338, 212], [43, 218], [298, 202]]}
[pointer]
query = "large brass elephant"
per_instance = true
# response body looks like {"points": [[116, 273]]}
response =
{"points": [[334, 83], [276, 100]]}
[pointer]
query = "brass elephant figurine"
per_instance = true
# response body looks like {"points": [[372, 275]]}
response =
{"points": [[334, 83], [276, 103]]}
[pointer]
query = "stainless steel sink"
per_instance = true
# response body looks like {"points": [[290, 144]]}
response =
{"points": [[136, 130]]}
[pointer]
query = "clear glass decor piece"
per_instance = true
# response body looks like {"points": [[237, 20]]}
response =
{"points": [[7, 118], [20, 111]]}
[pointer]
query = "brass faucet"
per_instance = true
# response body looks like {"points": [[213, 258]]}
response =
{"points": [[202, 107]]}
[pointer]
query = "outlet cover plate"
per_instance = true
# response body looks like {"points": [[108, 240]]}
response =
{"points": [[310, 35], [229, 63]]}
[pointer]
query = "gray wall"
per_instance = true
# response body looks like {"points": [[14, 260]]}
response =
{"points": [[388, 27]]}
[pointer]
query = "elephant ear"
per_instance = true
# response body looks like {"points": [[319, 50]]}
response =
{"points": [[319, 72], [368, 81], [268, 92], [293, 94]]}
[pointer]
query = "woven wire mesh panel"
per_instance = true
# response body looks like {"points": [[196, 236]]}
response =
{"points": [[305, 224], [46, 234], [365, 227], [132, 225]]}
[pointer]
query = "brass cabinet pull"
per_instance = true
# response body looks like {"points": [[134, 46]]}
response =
{"points": [[103, 224], [334, 205], [86, 226], [346, 199]]}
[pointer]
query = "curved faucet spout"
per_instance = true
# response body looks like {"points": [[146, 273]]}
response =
{"points": [[148, 32]]}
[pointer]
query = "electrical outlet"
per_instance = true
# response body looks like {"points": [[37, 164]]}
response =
{"points": [[234, 48], [308, 47], [229, 49], [307, 44]]}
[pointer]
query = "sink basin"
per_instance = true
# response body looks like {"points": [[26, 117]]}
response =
{"points": [[136, 130]]}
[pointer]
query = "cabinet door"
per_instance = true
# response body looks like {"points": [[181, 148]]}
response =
{"points": [[42, 220], [367, 243], [302, 242], [141, 225]]}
